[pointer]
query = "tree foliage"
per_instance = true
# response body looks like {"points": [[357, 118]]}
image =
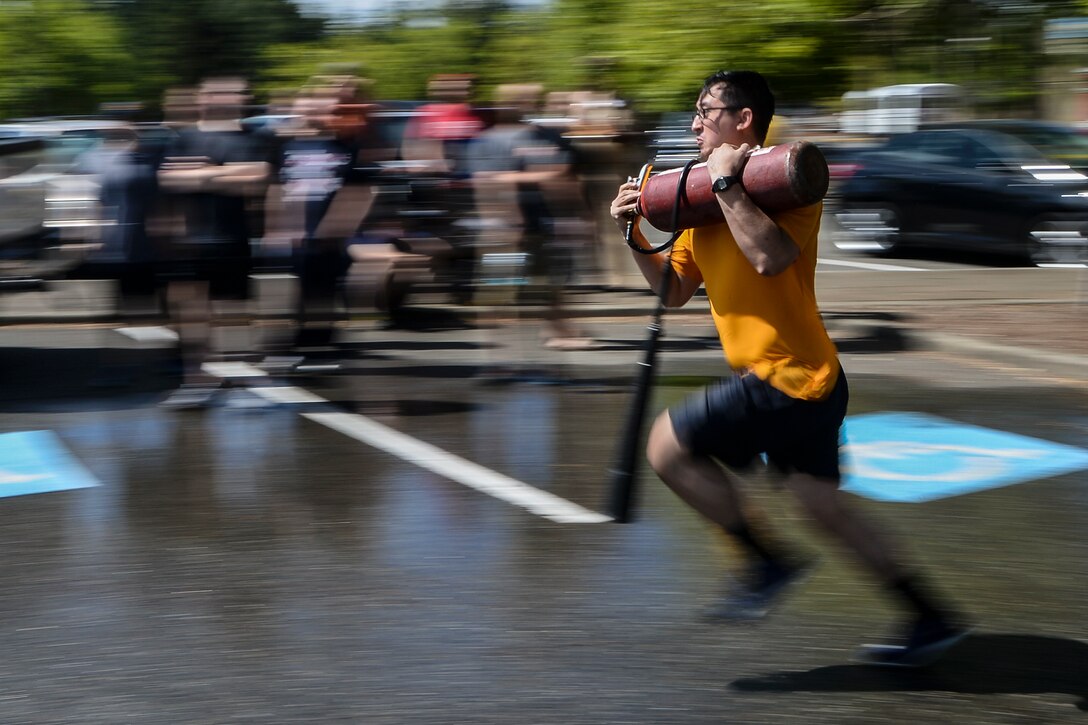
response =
{"points": [[60, 57], [67, 55], [181, 43]]}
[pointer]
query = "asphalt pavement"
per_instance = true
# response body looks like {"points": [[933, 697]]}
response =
{"points": [[1041, 326], [384, 542]]}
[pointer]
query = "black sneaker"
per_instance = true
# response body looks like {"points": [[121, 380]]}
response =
{"points": [[926, 642], [766, 584]]}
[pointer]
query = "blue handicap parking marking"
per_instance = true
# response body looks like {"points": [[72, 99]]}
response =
{"points": [[38, 462], [912, 457]]}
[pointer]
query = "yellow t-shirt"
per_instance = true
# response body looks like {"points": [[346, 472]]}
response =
{"points": [[770, 326]]}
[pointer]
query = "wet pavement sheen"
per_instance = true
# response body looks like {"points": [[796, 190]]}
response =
{"points": [[247, 564]]}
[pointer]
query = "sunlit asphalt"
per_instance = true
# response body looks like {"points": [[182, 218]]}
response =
{"points": [[260, 562]]}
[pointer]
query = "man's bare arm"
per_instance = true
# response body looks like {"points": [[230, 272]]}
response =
{"points": [[681, 289], [768, 248]]}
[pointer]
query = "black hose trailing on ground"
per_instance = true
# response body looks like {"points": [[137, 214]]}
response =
{"points": [[622, 485]]}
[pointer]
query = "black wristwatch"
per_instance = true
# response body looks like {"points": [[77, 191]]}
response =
{"points": [[723, 183]]}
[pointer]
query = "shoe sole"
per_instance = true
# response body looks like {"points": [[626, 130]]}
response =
{"points": [[886, 655]]}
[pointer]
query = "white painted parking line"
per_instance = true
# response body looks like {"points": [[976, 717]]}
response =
{"points": [[871, 265], [424, 455], [231, 369], [149, 334], [286, 395], [457, 469]]}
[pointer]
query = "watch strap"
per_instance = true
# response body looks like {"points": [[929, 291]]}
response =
{"points": [[724, 183]]}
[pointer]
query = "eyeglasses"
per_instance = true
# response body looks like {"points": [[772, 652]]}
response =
{"points": [[704, 112]]}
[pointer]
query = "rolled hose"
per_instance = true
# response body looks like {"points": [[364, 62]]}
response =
{"points": [[680, 184]]}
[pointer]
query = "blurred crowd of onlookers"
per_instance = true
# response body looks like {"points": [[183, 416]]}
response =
{"points": [[496, 202], [446, 196]]}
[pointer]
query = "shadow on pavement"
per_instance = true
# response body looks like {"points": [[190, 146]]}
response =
{"points": [[114, 377], [867, 332], [879, 340], [429, 320], [414, 408], [665, 345], [380, 345], [986, 664]]}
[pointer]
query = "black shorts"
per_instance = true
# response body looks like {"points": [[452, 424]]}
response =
{"points": [[224, 266], [737, 418]]}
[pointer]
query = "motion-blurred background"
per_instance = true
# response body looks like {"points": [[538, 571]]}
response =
{"points": [[95, 92]]}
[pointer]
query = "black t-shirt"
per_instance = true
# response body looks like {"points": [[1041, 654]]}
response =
{"points": [[217, 218], [313, 170]]}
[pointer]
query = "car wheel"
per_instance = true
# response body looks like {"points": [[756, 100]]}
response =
{"points": [[868, 228], [1056, 242]]}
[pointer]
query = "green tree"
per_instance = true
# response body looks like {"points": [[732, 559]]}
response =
{"points": [[655, 53], [182, 43], [61, 57], [398, 55]]}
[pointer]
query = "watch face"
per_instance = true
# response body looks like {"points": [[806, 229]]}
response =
{"points": [[721, 183]]}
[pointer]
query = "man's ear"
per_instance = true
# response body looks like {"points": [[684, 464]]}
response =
{"points": [[745, 119]]}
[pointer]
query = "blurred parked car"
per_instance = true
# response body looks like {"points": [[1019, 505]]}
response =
{"points": [[22, 190], [1056, 141], [966, 189], [42, 186], [671, 142]]}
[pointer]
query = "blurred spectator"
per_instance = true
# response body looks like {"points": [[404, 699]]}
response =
{"points": [[587, 113], [179, 107], [525, 188], [125, 168], [596, 126], [326, 191], [437, 138], [431, 228], [213, 168]]}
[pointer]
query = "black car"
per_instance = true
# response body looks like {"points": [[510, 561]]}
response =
{"points": [[1057, 141], [966, 189]]}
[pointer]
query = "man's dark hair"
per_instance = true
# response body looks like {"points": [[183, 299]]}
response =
{"points": [[745, 89]]}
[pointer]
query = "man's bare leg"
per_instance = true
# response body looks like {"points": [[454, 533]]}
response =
{"points": [[699, 481], [713, 491], [827, 506], [934, 627]]}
